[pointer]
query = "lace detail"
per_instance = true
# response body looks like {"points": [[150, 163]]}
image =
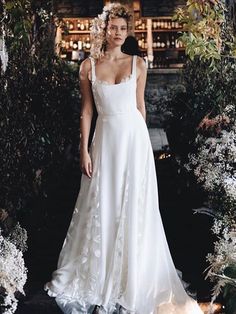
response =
{"points": [[96, 99], [83, 291], [86, 279], [123, 80], [119, 285], [81, 307], [142, 208], [117, 309], [84, 287]]}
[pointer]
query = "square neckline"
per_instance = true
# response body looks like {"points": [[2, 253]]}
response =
{"points": [[105, 83]]}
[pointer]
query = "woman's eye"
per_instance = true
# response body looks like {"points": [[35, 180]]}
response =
{"points": [[115, 28]]}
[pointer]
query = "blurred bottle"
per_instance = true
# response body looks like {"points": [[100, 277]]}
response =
{"points": [[82, 26], [87, 43], [71, 26]]}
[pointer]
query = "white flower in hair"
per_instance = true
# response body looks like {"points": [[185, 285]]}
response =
{"points": [[98, 28]]}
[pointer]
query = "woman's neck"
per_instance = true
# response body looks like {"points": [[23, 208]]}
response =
{"points": [[113, 53]]}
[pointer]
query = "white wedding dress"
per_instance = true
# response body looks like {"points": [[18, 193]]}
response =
{"points": [[115, 254]]}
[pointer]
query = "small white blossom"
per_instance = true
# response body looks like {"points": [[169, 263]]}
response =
{"points": [[224, 255], [99, 24], [44, 15], [229, 185], [18, 236], [214, 163], [214, 167], [13, 274]]}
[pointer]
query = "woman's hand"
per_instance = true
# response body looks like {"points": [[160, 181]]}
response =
{"points": [[86, 163]]}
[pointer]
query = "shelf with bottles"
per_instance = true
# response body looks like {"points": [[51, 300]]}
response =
{"points": [[75, 39], [140, 31], [171, 58], [140, 25], [72, 49], [166, 30], [77, 25], [79, 32], [142, 40], [165, 24], [76, 42], [164, 49], [74, 56], [159, 24], [160, 42], [159, 30], [166, 41]]}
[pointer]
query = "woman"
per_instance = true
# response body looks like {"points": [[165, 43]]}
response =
{"points": [[115, 258]]}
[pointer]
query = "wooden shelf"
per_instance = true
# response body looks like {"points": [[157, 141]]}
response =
{"points": [[171, 30], [140, 31], [136, 31], [76, 32], [149, 34], [163, 49], [172, 49], [70, 50], [77, 18], [167, 30]]}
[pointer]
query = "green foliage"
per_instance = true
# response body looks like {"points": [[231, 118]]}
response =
{"points": [[230, 299], [230, 271], [207, 31], [205, 92], [208, 94], [39, 109], [18, 23], [205, 106]]}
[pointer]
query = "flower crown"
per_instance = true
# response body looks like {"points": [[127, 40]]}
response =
{"points": [[111, 10], [99, 24]]}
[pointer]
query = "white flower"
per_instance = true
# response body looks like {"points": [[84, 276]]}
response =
{"points": [[229, 184], [44, 15], [18, 236], [13, 274], [214, 163], [98, 34]]}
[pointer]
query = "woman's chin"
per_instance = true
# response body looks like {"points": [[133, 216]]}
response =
{"points": [[116, 43]]}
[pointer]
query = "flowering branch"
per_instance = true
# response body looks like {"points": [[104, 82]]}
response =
{"points": [[206, 30]]}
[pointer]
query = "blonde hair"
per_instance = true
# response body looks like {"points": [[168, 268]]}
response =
{"points": [[99, 27]]}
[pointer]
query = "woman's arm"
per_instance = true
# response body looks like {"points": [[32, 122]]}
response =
{"points": [[86, 116], [141, 82]]}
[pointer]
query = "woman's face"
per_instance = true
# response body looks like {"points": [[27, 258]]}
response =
{"points": [[117, 31]]}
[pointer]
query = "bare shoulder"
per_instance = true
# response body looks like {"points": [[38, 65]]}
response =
{"points": [[141, 63], [85, 65], [141, 66], [85, 68]]}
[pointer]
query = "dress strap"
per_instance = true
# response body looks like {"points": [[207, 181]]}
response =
{"points": [[93, 69], [134, 64]]}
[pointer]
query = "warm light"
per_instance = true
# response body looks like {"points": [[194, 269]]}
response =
{"points": [[216, 308], [164, 155]]}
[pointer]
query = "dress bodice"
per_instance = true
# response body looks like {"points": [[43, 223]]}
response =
{"points": [[117, 98]]}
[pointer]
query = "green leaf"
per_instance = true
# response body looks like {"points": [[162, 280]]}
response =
{"points": [[9, 5], [230, 271]]}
